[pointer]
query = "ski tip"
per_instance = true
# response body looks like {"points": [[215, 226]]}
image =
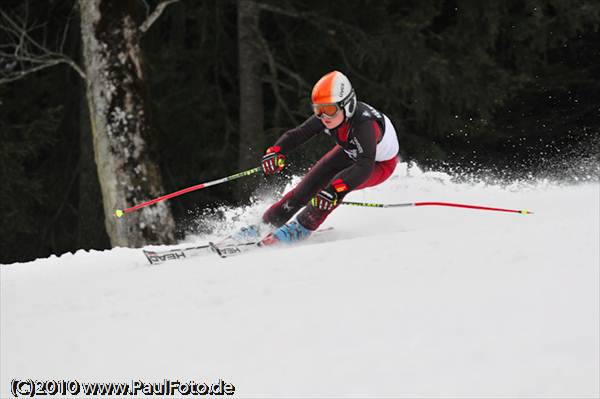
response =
{"points": [[525, 212], [269, 240], [119, 213]]}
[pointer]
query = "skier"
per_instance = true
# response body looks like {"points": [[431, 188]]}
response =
{"points": [[365, 155]]}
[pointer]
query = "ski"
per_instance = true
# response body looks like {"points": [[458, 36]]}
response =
{"points": [[231, 249], [156, 257], [222, 249]]}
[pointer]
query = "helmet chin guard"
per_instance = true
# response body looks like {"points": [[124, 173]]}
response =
{"points": [[335, 88]]}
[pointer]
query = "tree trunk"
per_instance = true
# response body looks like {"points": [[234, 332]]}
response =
{"points": [[251, 142], [91, 231], [116, 88]]}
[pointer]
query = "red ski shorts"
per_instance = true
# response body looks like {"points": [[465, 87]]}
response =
{"points": [[381, 172]]}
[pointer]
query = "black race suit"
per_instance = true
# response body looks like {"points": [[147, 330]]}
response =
{"points": [[348, 164]]}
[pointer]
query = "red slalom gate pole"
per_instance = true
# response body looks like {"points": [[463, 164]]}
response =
{"points": [[120, 212], [451, 204]]}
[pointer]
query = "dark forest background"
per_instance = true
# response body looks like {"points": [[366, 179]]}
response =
{"points": [[505, 86]]}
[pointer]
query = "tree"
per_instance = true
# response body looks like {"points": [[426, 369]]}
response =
{"points": [[116, 97], [251, 93], [117, 100]]}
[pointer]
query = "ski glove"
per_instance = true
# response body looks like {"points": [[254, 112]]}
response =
{"points": [[273, 161], [328, 199], [325, 200]]}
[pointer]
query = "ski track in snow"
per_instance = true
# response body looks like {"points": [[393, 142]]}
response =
{"points": [[428, 302]]}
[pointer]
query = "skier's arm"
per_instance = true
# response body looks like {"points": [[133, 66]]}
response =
{"points": [[367, 134], [298, 135]]}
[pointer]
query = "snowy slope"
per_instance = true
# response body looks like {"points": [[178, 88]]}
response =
{"points": [[409, 302]]}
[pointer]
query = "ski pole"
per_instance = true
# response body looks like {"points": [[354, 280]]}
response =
{"points": [[120, 212], [484, 208]]}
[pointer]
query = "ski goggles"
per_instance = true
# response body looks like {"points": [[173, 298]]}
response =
{"points": [[326, 110]]}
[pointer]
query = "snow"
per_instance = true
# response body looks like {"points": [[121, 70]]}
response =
{"points": [[397, 302]]}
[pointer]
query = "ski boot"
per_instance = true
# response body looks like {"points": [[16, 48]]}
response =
{"points": [[287, 234], [250, 233]]}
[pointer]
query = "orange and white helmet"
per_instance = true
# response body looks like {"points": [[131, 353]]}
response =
{"points": [[333, 89]]}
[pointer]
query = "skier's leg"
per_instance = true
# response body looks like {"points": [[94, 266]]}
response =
{"points": [[316, 179], [312, 217], [381, 172]]}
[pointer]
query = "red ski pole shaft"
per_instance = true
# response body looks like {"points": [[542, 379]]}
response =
{"points": [[483, 208], [479, 207], [120, 212]]}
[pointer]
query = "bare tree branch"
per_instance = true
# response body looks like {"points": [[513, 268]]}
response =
{"points": [[147, 7], [301, 81], [67, 26], [282, 11], [331, 28], [327, 24], [273, 78], [22, 54], [151, 19], [22, 73]]}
